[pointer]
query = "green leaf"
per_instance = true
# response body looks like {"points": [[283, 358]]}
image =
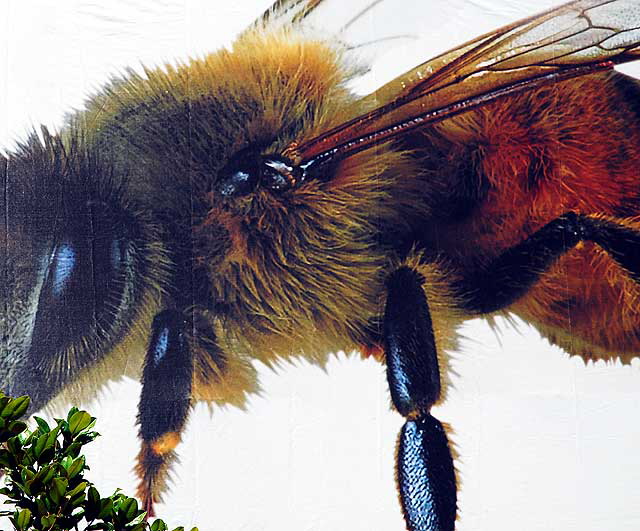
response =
{"points": [[87, 436], [22, 519], [76, 466], [28, 437], [15, 408], [27, 474], [48, 476], [40, 505], [14, 445], [43, 447], [27, 479], [39, 479], [93, 503], [16, 427], [78, 499], [40, 445], [66, 462], [106, 508], [58, 489], [48, 521], [79, 421], [42, 424], [4, 400], [74, 449], [22, 487], [94, 496], [50, 445], [77, 489], [159, 525], [128, 509], [141, 518]]}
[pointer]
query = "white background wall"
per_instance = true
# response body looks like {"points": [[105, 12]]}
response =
{"points": [[545, 443]]}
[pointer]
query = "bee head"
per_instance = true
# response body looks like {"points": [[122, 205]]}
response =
{"points": [[171, 189]]}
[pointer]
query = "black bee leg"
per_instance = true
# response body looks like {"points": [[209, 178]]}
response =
{"points": [[621, 242], [425, 473], [164, 403], [511, 274]]}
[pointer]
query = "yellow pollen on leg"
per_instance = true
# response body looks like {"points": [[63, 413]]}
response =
{"points": [[165, 443]]}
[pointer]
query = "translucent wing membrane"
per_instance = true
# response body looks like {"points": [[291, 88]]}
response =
{"points": [[574, 39], [286, 13], [370, 29], [349, 23]]}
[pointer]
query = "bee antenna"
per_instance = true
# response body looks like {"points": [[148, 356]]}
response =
{"points": [[359, 15]]}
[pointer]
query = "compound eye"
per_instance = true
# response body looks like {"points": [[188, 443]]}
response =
{"points": [[62, 268], [85, 282], [96, 263], [241, 175]]}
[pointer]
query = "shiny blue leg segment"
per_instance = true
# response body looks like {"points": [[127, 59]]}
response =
{"points": [[425, 473], [165, 402], [426, 479]]}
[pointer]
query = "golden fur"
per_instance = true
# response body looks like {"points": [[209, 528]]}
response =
{"points": [[299, 275]]}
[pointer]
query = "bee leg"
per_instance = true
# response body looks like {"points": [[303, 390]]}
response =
{"points": [[511, 274], [425, 473], [164, 402], [621, 242]]}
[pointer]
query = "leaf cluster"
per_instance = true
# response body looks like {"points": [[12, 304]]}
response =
{"points": [[44, 477]]}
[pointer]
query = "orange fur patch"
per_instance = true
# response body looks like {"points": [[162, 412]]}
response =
{"points": [[572, 146], [166, 443], [372, 351]]}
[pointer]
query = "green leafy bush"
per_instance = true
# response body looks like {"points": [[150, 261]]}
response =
{"points": [[44, 477]]}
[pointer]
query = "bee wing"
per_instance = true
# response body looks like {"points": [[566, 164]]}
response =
{"points": [[574, 39], [371, 29], [580, 32], [333, 18], [286, 13], [348, 23]]}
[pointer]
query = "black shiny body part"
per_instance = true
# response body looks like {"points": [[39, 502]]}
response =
{"points": [[166, 378], [426, 478], [412, 370], [622, 243], [424, 469], [241, 175]]}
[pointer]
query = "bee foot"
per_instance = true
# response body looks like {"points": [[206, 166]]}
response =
{"points": [[152, 469]]}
